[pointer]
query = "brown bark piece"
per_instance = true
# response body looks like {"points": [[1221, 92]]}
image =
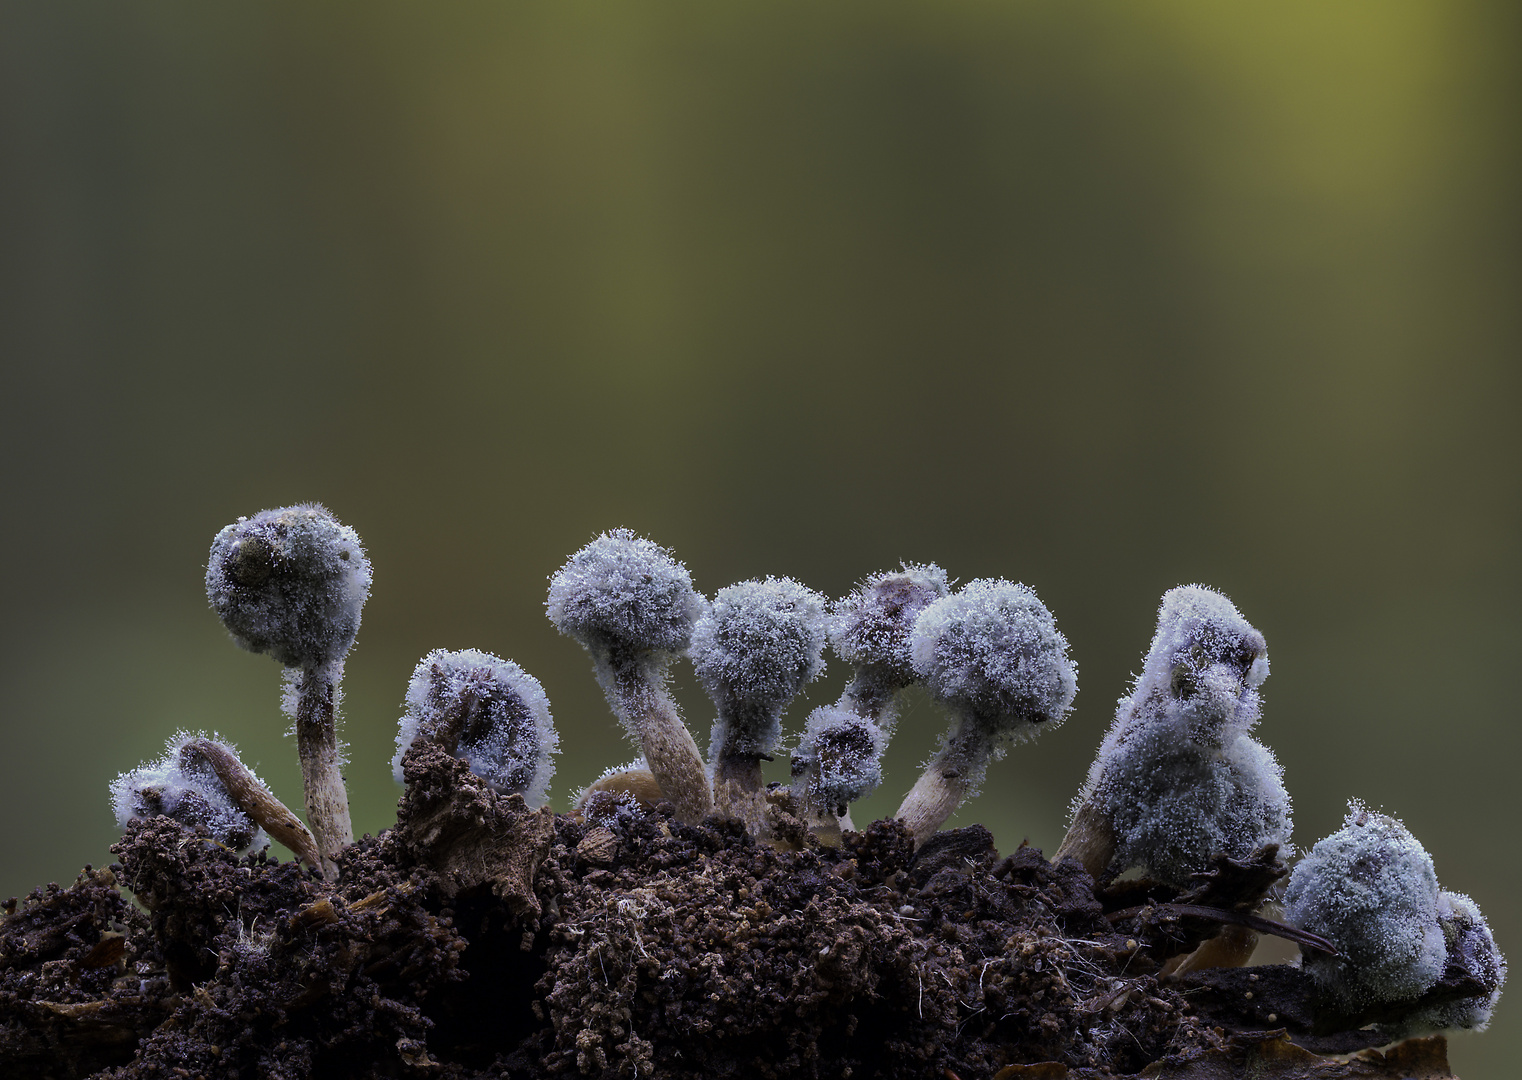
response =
{"points": [[453, 822]]}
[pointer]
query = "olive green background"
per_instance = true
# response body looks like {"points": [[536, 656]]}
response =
{"points": [[1099, 297]]}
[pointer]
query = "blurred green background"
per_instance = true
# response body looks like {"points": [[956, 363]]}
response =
{"points": [[1104, 298]]}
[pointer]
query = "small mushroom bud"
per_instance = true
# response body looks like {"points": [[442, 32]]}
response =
{"points": [[1369, 889], [992, 654], [630, 783], [753, 650], [632, 606], [291, 582], [838, 760], [1177, 779], [201, 782], [486, 711]]}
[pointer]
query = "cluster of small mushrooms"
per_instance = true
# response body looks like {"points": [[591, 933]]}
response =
{"points": [[1178, 780]]}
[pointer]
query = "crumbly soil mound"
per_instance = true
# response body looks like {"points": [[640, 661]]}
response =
{"points": [[480, 938]]}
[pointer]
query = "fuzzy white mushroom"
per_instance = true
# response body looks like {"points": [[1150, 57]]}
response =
{"points": [[291, 583], [992, 655], [1177, 779], [1369, 889], [488, 712], [753, 650], [632, 606]]}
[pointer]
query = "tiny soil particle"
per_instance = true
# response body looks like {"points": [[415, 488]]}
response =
{"points": [[480, 938]]}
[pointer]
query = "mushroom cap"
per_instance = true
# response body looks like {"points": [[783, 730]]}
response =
{"points": [[622, 591], [505, 731], [754, 648], [841, 754], [993, 652], [874, 623], [290, 582], [1473, 948], [184, 787], [1370, 889], [1198, 628]]}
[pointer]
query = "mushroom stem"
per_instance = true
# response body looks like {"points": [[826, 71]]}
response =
{"points": [[256, 800], [937, 793], [647, 711], [1232, 947], [873, 694], [1090, 839], [327, 800], [743, 771]]}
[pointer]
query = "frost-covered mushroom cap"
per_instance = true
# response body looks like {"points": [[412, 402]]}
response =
{"points": [[1198, 628], [499, 712], [872, 626], [184, 787], [842, 754], [994, 650], [624, 590], [290, 582], [1370, 889], [758, 644]]}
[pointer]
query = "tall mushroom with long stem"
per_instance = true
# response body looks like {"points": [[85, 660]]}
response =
{"points": [[632, 606], [291, 583], [753, 650], [992, 654]]}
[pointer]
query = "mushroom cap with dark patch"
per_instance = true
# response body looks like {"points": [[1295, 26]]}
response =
{"points": [[497, 713], [841, 754], [874, 623], [290, 582]]}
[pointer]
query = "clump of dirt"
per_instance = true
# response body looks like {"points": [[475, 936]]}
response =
{"points": [[480, 938]]}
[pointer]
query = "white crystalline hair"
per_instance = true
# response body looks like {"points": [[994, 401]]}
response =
{"points": [[622, 591], [753, 650], [496, 715], [290, 582], [1173, 807], [1370, 889], [185, 788], [1177, 776]]}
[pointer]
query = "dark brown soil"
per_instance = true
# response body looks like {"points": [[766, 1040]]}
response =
{"points": [[483, 939]]}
